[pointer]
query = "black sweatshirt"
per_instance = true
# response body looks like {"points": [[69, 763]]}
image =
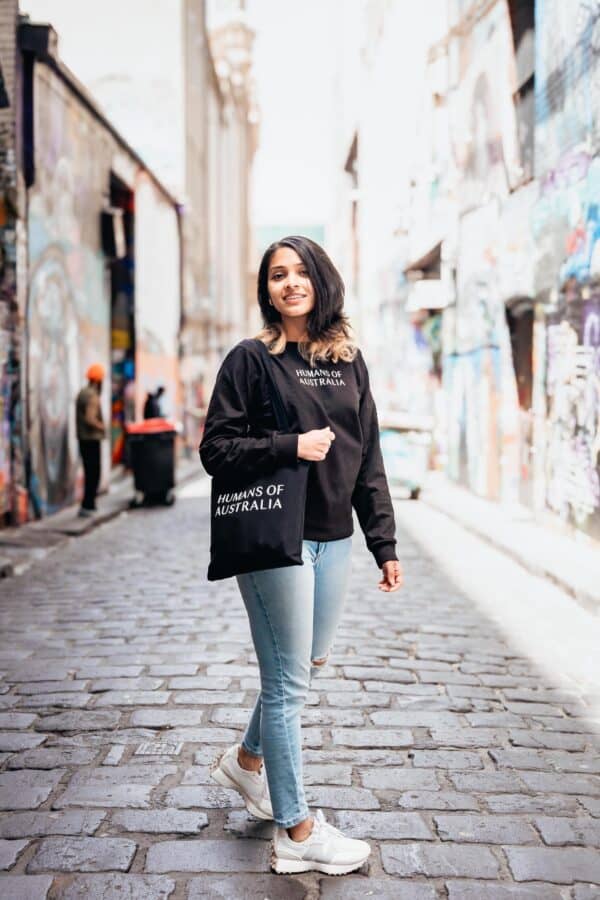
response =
{"points": [[241, 434]]}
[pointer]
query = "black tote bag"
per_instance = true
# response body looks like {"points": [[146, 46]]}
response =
{"points": [[257, 522]]}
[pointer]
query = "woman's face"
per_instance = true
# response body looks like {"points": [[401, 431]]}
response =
{"points": [[290, 289]]}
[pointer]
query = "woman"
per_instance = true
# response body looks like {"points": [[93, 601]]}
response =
{"points": [[293, 611]]}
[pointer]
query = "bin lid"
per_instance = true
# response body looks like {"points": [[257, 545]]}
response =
{"points": [[150, 426]]}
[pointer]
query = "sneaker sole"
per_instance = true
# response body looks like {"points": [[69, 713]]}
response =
{"points": [[296, 866], [224, 780]]}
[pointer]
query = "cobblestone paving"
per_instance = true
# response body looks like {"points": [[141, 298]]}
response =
{"points": [[472, 778]]}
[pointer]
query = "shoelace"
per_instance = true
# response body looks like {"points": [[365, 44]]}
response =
{"points": [[323, 825]]}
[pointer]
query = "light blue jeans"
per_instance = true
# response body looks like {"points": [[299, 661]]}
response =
{"points": [[293, 613]]}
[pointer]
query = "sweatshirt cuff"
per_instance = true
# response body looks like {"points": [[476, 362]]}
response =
{"points": [[385, 553], [286, 447]]}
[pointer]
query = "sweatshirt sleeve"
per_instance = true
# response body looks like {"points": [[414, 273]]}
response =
{"points": [[226, 444], [371, 497]]}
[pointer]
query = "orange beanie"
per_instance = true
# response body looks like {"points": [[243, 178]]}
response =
{"points": [[95, 372]]}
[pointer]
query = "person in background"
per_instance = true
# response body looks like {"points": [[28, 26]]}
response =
{"points": [[152, 406], [90, 432]]}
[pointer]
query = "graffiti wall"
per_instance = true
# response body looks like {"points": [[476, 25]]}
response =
{"points": [[567, 234], [68, 310], [478, 374]]}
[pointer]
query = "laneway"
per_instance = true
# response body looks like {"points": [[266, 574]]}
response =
{"points": [[431, 733]]}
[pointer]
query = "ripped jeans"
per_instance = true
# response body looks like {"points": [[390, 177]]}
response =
{"points": [[293, 613]]}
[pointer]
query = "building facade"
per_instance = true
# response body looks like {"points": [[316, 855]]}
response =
{"points": [[93, 237]]}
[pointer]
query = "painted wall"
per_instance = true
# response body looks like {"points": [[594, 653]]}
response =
{"points": [[492, 258], [567, 273], [68, 305], [68, 309]]}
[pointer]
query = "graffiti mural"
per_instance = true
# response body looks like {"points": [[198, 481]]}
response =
{"points": [[573, 389], [566, 228], [68, 310]]}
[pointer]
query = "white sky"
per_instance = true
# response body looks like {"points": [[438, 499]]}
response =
{"points": [[294, 65], [294, 61]]}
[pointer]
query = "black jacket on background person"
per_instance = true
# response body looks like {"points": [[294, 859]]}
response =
{"points": [[240, 434]]}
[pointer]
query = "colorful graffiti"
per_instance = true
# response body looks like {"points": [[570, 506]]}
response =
{"points": [[573, 389], [68, 312]]}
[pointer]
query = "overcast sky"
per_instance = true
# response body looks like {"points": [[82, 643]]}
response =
{"points": [[294, 60]]}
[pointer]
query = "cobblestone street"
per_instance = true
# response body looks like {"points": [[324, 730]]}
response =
{"points": [[427, 734]]}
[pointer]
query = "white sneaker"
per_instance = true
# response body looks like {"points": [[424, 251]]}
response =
{"points": [[324, 850], [252, 786]]}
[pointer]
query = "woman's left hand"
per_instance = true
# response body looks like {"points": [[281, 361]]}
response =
{"points": [[393, 577]]}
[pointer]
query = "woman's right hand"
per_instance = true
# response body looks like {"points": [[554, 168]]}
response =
{"points": [[314, 445]]}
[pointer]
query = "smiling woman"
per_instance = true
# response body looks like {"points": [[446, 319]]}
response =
{"points": [[294, 609]]}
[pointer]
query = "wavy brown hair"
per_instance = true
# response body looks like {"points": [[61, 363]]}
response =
{"points": [[329, 331]]}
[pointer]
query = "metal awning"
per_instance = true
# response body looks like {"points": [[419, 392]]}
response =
{"points": [[428, 263]]}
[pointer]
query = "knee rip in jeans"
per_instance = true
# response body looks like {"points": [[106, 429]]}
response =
{"points": [[319, 662]]}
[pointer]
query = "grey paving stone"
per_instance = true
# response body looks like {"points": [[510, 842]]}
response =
{"points": [[197, 775], [367, 737], [85, 671], [358, 887], [60, 701], [592, 804], [413, 719], [27, 789], [132, 698], [26, 887], [485, 829], [459, 889], [233, 671], [498, 719], [410, 690], [11, 720], [242, 824], [123, 887], [344, 685], [203, 797], [51, 687], [208, 698], [99, 794], [9, 853], [207, 735], [160, 821], [446, 736], [31, 671], [200, 683], [52, 758], [439, 860], [530, 803], [248, 887], [205, 855], [562, 783], [384, 825], [371, 673], [79, 720], [132, 773], [486, 782], [174, 669], [341, 798], [446, 800], [447, 759], [564, 866], [82, 854], [114, 755], [533, 709], [325, 716], [358, 756], [159, 718], [395, 779], [323, 773], [143, 683], [586, 892], [20, 740], [358, 699], [559, 830], [40, 824]]}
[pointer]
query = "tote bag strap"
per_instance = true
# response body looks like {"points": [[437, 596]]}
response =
{"points": [[281, 416]]}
